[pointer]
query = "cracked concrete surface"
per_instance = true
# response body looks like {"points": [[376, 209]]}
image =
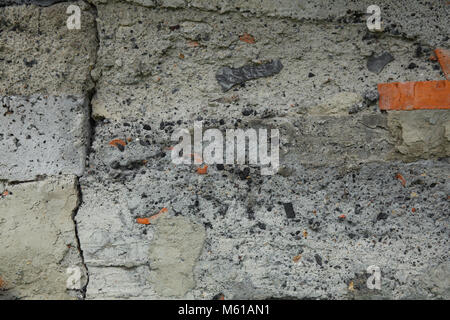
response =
{"points": [[140, 69], [37, 237]]}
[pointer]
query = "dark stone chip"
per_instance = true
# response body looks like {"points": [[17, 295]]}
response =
{"points": [[229, 77], [289, 209], [318, 259], [376, 64], [218, 296], [382, 216], [244, 173]]}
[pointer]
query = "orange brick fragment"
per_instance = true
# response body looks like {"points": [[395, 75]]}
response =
{"points": [[163, 210], [115, 142], [402, 180], [2, 283], [219, 296], [444, 60], [143, 220], [246, 37], [203, 170], [415, 95], [148, 220], [297, 258]]}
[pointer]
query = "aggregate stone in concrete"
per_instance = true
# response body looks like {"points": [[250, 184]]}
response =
{"points": [[37, 236], [43, 135], [377, 63], [39, 54], [229, 77]]}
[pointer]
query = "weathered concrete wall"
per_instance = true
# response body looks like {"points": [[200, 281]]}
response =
{"points": [[138, 70], [38, 238]]}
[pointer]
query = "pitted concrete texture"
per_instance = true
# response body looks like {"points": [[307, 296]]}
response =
{"points": [[251, 243], [151, 61], [426, 20], [37, 236], [43, 135], [39, 54], [356, 186]]}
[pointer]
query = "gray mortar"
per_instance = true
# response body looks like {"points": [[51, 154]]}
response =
{"points": [[155, 71]]}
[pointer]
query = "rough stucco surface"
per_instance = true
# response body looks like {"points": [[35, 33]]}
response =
{"points": [[38, 54], [140, 69]]}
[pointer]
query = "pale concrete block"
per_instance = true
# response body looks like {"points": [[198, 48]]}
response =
{"points": [[43, 136]]}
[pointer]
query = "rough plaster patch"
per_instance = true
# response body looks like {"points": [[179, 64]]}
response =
{"points": [[339, 104], [173, 253], [420, 133], [119, 283], [37, 238]]}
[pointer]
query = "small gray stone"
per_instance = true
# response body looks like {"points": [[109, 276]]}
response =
{"points": [[229, 77], [376, 64]]}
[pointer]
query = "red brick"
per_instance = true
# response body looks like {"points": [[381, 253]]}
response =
{"points": [[415, 95]]}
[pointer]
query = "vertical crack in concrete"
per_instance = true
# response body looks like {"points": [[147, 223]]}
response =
{"points": [[91, 129], [74, 214]]}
